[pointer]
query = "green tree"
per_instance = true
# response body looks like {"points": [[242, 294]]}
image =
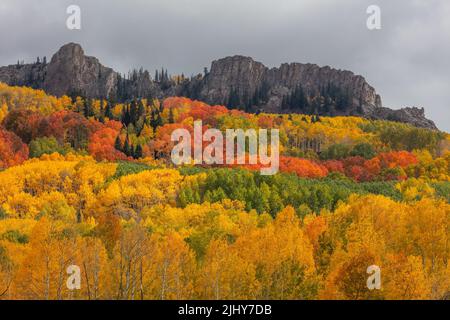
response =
{"points": [[364, 150], [47, 145]]}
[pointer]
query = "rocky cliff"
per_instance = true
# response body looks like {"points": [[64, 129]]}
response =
{"points": [[246, 78], [235, 81], [70, 70]]}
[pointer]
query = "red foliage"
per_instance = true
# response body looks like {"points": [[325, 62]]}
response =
{"points": [[196, 109], [101, 146], [12, 150], [334, 166], [24, 123], [395, 159], [68, 127], [162, 145], [373, 166], [265, 122], [115, 125], [357, 173], [302, 167]]}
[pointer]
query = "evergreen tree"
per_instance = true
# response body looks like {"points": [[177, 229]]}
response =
{"points": [[127, 147], [132, 151], [108, 111], [141, 109], [152, 120], [171, 116], [158, 120], [118, 144], [233, 100], [125, 119], [102, 108], [133, 112], [88, 109], [138, 152]]}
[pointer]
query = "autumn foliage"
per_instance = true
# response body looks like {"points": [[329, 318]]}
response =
{"points": [[90, 183], [12, 150]]}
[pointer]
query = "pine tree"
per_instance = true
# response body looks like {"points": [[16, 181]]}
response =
{"points": [[118, 144], [171, 116], [138, 152], [132, 151], [152, 120], [108, 111], [88, 110], [141, 109], [233, 99], [125, 119], [127, 147], [133, 112]]}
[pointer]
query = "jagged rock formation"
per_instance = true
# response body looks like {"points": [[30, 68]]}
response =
{"points": [[239, 74], [245, 77], [233, 81], [71, 71], [30, 75], [414, 116]]}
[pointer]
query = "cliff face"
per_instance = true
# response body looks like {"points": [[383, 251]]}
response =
{"points": [[70, 71], [232, 74], [30, 75], [232, 81], [245, 77], [414, 116]]}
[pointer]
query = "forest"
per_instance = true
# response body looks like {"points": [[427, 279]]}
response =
{"points": [[89, 182]]}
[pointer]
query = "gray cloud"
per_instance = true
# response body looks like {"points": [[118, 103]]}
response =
{"points": [[407, 61]]}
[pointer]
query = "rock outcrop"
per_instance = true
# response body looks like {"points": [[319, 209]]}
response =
{"points": [[244, 77], [71, 71], [235, 81], [30, 75], [414, 116], [237, 74]]}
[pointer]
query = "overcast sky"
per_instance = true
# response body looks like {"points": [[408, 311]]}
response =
{"points": [[407, 61]]}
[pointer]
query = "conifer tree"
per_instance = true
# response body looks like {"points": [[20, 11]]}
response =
{"points": [[118, 144], [171, 116], [138, 152], [127, 147]]}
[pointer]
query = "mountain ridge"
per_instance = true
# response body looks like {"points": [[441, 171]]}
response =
{"points": [[234, 81]]}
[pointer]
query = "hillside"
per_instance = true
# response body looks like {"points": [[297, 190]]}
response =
{"points": [[89, 183], [142, 128]]}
